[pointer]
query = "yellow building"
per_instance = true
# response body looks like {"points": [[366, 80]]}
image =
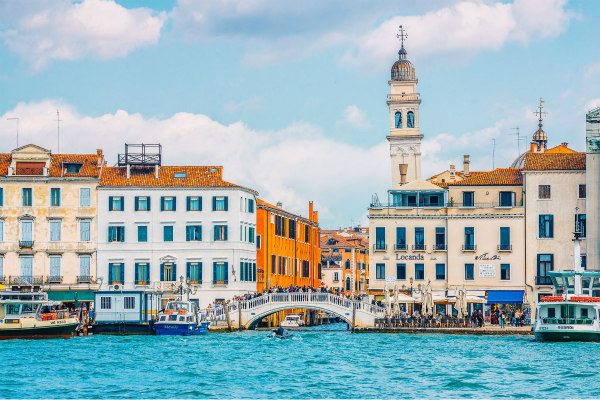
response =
{"points": [[48, 222]]}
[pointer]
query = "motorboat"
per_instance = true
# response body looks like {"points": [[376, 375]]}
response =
{"points": [[292, 321], [281, 333], [180, 318], [573, 312]]}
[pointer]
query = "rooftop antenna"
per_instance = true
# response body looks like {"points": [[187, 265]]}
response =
{"points": [[58, 129], [540, 113], [15, 119], [518, 139], [402, 35], [493, 153]]}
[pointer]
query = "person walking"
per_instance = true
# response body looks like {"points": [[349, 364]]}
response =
{"points": [[502, 320]]}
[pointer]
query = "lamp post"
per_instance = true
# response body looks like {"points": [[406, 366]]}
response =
{"points": [[411, 286]]}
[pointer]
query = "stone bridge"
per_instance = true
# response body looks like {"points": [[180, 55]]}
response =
{"points": [[246, 313]]}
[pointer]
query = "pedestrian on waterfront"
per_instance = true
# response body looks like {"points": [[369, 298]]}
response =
{"points": [[502, 320], [480, 318]]}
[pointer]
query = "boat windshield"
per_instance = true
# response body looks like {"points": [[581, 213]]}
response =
{"points": [[176, 306], [20, 308]]}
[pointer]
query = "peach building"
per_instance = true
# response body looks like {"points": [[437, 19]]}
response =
{"points": [[345, 259]]}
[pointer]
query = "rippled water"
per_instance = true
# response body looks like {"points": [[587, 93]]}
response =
{"points": [[311, 364]]}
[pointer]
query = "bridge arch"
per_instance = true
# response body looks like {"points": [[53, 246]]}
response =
{"points": [[254, 319]]}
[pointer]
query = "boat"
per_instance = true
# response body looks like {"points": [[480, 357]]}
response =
{"points": [[33, 316], [281, 333], [180, 318], [292, 321], [573, 312]]}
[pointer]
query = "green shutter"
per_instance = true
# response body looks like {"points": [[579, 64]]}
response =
{"points": [[226, 272], [162, 203], [110, 203], [137, 203], [226, 203], [214, 203], [174, 203], [187, 203]]}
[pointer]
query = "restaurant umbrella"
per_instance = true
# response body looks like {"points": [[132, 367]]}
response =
{"points": [[387, 300], [396, 303]]}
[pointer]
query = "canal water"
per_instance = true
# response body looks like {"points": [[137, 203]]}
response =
{"points": [[317, 363]]}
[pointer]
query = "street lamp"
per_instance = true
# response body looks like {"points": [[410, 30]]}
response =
{"points": [[411, 285]]}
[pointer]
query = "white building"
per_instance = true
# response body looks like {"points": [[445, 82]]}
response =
{"points": [[159, 225]]}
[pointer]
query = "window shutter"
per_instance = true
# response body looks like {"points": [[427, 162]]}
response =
{"points": [[174, 273], [162, 271], [136, 270], [188, 268], [110, 274], [200, 203], [199, 272], [1, 196], [137, 204], [225, 232], [214, 203], [122, 203], [174, 203], [226, 203], [187, 203], [226, 272], [122, 274], [214, 271], [110, 203], [162, 204]]}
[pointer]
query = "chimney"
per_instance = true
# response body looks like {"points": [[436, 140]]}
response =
{"points": [[310, 210], [533, 147], [564, 144], [403, 171], [100, 157], [279, 204], [156, 171], [466, 165], [452, 172], [128, 168]]}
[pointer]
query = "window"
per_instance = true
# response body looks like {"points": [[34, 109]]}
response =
{"points": [[505, 272], [142, 233], [85, 197], [168, 203], [469, 238], [410, 119], [582, 191], [105, 303], [55, 228], [193, 203], [54, 197], [507, 199], [348, 283], [1, 232], [379, 271], [292, 229], [247, 271], [116, 273], [419, 238], [546, 229], [306, 234], [220, 203], [194, 272], [440, 271], [279, 226], [347, 264], [251, 234], [1, 267], [220, 233], [380, 238], [583, 262], [469, 272], [84, 266], [336, 277], [54, 267], [543, 191], [440, 238], [26, 266], [26, 231], [545, 264], [85, 230], [193, 233], [168, 233], [142, 203], [305, 269], [398, 120], [1, 197], [220, 273], [180, 175], [142, 273], [72, 168], [468, 199], [551, 312], [168, 272], [116, 233], [27, 194], [504, 238], [419, 271], [400, 238], [258, 241], [251, 206], [581, 224], [116, 203], [129, 303], [400, 271]]}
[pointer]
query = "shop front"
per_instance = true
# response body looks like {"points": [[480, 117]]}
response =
{"points": [[509, 302]]}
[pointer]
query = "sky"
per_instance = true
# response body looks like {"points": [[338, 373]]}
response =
{"points": [[290, 96]]}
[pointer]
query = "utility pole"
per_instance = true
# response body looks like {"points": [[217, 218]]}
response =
{"points": [[15, 119], [58, 130]]}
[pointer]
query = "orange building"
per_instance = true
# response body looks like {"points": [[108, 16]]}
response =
{"points": [[345, 259], [288, 251]]}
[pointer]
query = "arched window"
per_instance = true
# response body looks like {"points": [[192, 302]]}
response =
{"points": [[347, 264], [410, 119], [348, 283], [398, 117]]}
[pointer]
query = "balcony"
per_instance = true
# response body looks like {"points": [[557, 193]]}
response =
{"points": [[469, 247], [85, 279], [37, 280], [379, 247], [142, 283], [505, 247], [220, 283], [26, 244], [419, 247], [440, 247], [54, 279], [195, 282], [400, 247], [543, 280]]}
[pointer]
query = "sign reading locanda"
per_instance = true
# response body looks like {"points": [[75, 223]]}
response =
{"points": [[413, 257]]}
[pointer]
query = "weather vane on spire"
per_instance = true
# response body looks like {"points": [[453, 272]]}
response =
{"points": [[540, 113], [402, 35]]}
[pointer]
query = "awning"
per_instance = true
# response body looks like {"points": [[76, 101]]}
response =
{"points": [[505, 296], [71, 295]]}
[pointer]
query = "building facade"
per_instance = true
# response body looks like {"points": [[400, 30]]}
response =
{"points": [[48, 221], [592, 120], [345, 260], [160, 226], [288, 252]]}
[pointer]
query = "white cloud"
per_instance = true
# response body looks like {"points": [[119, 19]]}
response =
{"points": [[251, 104], [463, 29], [292, 165], [594, 103], [61, 30], [354, 118], [591, 70]]}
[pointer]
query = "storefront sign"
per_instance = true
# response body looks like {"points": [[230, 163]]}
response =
{"points": [[487, 257], [487, 271], [410, 257]]}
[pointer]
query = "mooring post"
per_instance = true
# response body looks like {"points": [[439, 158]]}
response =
{"points": [[239, 316], [353, 316]]}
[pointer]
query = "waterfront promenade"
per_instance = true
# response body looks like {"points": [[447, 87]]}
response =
{"points": [[453, 330]]}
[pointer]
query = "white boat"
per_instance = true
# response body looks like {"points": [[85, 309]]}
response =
{"points": [[181, 318], [292, 321], [573, 312]]}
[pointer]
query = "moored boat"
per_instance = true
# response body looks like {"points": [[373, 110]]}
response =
{"points": [[180, 318], [292, 321]]}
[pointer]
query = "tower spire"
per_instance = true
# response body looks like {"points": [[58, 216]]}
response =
{"points": [[540, 138], [401, 35]]}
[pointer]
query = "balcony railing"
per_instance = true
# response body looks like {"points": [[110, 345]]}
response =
{"points": [[505, 247], [447, 205], [419, 247], [440, 247], [469, 247], [543, 280], [27, 244], [54, 279], [401, 247], [84, 279], [380, 247], [223, 282], [26, 280], [141, 283]]}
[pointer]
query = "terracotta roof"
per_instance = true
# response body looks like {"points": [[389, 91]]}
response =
{"points": [[497, 177], [358, 242], [554, 161], [263, 204], [89, 164], [4, 163], [192, 176], [561, 149]]}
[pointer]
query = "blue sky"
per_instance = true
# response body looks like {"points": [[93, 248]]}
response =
{"points": [[291, 100]]}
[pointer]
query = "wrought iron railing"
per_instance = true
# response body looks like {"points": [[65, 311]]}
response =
{"points": [[505, 247], [419, 247], [469, 247], [26, 280], [543, 280], [400, 247], [28, 244], [440, 246], [85, 279], [54, 279], [379, 247]]}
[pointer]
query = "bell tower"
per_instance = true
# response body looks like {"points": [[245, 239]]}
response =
{"points": [[405, 136]]}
